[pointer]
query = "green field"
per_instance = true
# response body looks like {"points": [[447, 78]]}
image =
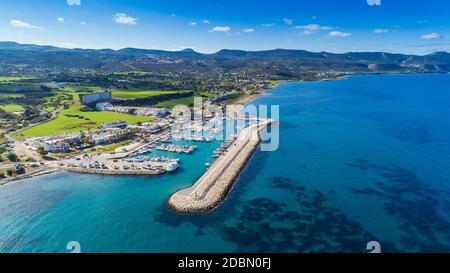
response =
{"points": [[120, 94], [10, 95], [139, 94], [83, 89], [12, 108], [74, 120], [14, 79], [112, 147], [189, 101]]}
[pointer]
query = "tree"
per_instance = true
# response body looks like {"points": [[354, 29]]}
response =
{"points": [[42, 151], [9, 172], [11, 156]]}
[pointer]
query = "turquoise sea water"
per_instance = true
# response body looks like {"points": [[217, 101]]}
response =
{"points": [[361, 159]]}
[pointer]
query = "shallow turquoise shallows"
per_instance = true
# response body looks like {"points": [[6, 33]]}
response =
{"points": [[361, 159]]}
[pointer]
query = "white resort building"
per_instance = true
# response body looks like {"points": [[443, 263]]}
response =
{"points": [[117, 124], [104, 106]]}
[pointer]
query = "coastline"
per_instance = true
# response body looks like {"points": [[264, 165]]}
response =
{"points": [[249, 98], [240, 101], [273, 85], [11, 180]]}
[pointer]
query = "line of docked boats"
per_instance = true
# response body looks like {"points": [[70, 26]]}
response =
{"points": [[222, 148], [156, 163], [193, 138], [182, 149]]}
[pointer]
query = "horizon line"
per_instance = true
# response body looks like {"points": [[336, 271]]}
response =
{"points": [[204, 53]]}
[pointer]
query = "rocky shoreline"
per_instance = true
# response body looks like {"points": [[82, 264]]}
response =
{"points": [[28, 175]]}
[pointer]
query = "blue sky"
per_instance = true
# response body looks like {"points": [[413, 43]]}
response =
{"points": [[415, 26]]}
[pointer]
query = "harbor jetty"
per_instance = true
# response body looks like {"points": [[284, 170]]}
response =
{"points": [[211, 188]]}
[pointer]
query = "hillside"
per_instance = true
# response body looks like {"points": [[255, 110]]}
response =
{"points": [[34, 59]]}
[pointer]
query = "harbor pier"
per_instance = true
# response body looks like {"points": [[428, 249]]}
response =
{"points": [[211, 188]]}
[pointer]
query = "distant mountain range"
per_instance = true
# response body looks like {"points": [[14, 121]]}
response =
{"points": [[36, 59]]}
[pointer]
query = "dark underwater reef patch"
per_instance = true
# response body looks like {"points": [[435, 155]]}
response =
{"points": [[285, 183], [267, 225], [35, 204], [421, 210], [404, 127], [18, 240], [413, 134], [366, 191]]}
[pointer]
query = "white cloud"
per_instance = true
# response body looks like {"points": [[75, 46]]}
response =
{"points": [[248, 30], [206, 22], [83, 23], [288, 21], [268, 25], [192, 23], [122, 18], [74, 2], [339, 34], [225, 29], [21, 24], [312, 28], [431, 36], [60, 19], [380, 30]]}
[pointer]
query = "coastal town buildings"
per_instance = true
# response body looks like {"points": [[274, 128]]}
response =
{"points": [[140, 111], [104, 106], [116, 124], [86, 99]]}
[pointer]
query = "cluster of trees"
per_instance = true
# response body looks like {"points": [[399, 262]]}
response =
{"points": [[6, 115], [12, 157]]}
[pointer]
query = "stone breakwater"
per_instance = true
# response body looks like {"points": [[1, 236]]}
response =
{"points": [[211, 188]]}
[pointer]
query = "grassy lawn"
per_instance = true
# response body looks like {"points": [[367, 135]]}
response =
{"points": [[120, 94], [14, 79], [74, 120], [189, 101], [12, 107], [112, 147], [138, 94], [83, 89], [10, 95]]}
